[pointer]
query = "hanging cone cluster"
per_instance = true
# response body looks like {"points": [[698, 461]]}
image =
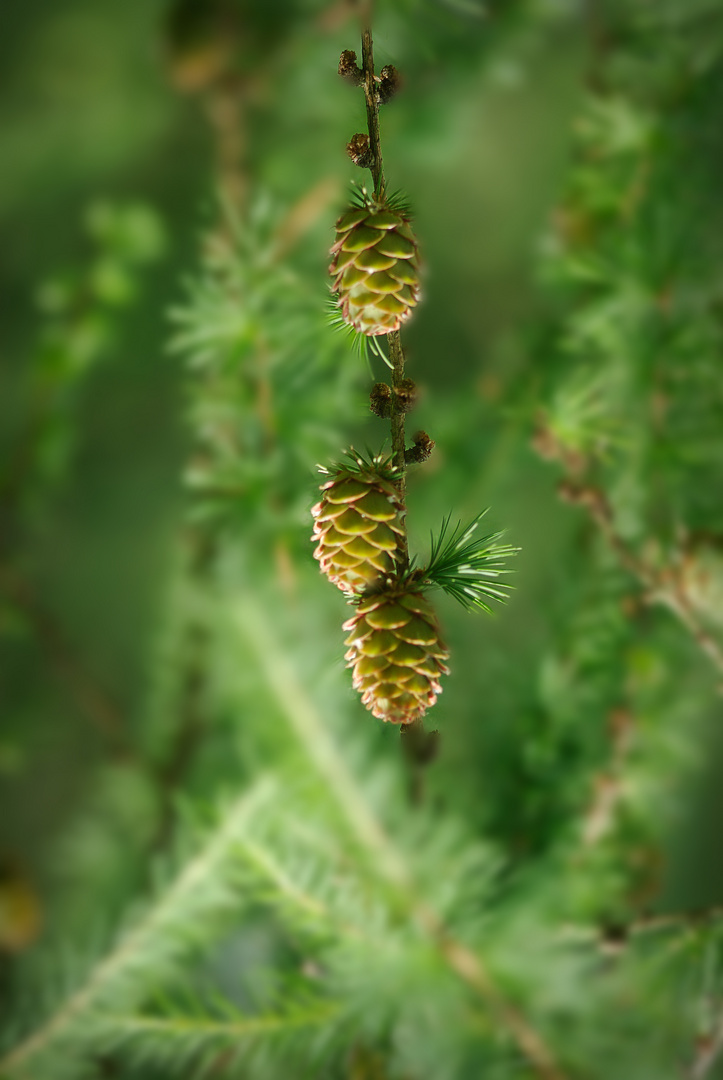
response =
{"points": [[357, 524], [396, 654], [375, 268], [394, 646]]}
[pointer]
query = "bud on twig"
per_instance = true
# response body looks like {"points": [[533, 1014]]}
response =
{"points": [[422, 449], [360, 151], [390, 82], [348, 68], [407, 395], [380, 400]]}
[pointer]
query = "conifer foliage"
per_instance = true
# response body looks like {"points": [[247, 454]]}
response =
{"points": [[224, 867]]}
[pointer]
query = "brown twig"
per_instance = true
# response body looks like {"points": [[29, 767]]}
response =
{"points": [[370, 93], [394, 340], [226, 112], [396, 356], [608, 784]]}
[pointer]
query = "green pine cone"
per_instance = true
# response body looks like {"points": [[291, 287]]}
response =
{"points": [[357, 525], [375, 268], [396, 654]]}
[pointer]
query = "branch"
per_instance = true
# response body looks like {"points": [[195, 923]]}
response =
{"points": [[396, 352], [616, 938], [90, 697], [661, 586], [396, 355], [707, 1053], [370, 93], [156, 941], [313, 735], [227, 114], [177, 1036], [608, 783]]}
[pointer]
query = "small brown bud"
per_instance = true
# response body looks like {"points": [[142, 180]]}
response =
{"points": [[348, 68], [360, 151], [422, 449], [390, 82], [380, 400], [407, 395]]}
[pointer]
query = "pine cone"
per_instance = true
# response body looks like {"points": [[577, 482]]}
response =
{"points": [[396, 654], [357, 525], [375, 268]]}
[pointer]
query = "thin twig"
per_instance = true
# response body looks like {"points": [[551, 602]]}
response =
{"points": [[370, 93], [396, 352], [172, 773], [396, 355], [609, 783], [122, 1026], [226, 112]]}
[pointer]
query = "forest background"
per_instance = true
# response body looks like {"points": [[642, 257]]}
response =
{"points": [[198, 871]]}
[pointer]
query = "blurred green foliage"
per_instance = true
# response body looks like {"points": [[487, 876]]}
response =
{"points": [[212, 859]]}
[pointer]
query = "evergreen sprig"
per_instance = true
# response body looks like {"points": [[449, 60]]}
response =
{"points": [[468, 567], [212, 1036]]}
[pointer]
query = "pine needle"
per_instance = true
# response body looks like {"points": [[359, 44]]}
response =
{"points": [[358, 461], [359, 343], [469, 567]]}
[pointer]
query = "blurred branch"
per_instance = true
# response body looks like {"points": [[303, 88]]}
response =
{"points": [[92, 699], [707, 1053], [615, 938], [190, 1028], [170, 776], [661, 585], [608, 784], [387, 859], [226, 112], [154, 943]]}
